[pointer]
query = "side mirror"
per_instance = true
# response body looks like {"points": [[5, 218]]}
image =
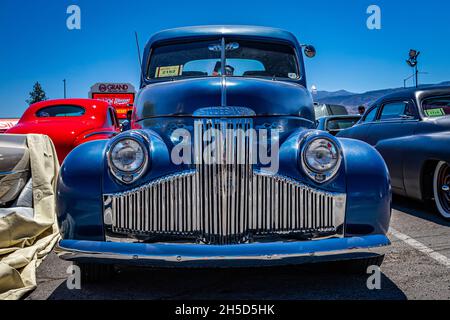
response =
{"points": [[125, 126], [310, 51]]}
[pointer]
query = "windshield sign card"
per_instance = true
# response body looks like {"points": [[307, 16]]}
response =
{"points": [[169, 71], [438, 112]]}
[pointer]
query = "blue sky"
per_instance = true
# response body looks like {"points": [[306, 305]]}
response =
{"points": [[37, 46]]}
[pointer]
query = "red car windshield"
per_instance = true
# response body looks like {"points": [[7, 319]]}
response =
{"points": [[436, 107]]}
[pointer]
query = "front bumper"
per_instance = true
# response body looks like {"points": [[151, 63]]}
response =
{"points": [[241, 255]]}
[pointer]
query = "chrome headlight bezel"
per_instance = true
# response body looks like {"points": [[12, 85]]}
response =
{"points": [[129, 177], [317, 175]]}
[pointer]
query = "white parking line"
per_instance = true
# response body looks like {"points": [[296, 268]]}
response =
{"points": [[421, 247]]}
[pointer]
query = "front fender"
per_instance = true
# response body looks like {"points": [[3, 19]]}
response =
{"points": [[84, 178], [79, 193], [93, 135], [368, 189]]}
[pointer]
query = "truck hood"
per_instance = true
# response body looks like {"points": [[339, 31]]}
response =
{"points": [[264, 97]]}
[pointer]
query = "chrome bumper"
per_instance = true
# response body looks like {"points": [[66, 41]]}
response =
{"points": [[241, 255]]}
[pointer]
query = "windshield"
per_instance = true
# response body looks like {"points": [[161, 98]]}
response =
{"points": [[341, 124], [436, 107], [337, 110], [242, 58]]}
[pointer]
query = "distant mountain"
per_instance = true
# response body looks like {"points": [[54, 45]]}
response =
{"points": [[353, 100], [326, 94]]}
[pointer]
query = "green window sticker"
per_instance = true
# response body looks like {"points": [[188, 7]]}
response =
{"points": [[439, 112]]}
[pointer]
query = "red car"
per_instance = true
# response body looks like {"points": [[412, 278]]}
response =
{"points": [[69, 122]]}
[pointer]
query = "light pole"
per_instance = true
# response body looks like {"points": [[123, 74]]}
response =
{"points": [[65, 92], [413, 63]]}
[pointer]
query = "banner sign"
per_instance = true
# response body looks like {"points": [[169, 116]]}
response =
{"points": [[119, 95]]}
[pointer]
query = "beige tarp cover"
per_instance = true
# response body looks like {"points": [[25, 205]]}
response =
{"points": [[24, 242]]}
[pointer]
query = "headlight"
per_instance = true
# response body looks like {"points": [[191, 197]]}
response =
{"points": [[128, 158], [321, 159], [127, 155]]}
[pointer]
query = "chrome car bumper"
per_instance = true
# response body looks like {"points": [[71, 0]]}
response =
{"points": [[241, 255]]}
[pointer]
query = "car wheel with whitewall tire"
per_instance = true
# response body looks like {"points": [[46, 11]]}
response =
{"points": [[441, 189]]}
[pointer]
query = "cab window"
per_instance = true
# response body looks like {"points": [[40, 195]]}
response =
{"points": [[371, 115], [397, 110], [60, 111]]}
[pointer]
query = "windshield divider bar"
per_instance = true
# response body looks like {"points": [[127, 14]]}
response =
{"points": [[222, 70]]}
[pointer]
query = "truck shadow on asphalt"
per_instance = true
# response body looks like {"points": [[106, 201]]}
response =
{"points": [[419, 209], [307, 282]]}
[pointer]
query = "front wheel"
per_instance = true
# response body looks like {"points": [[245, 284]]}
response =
{"points": [[441, 189]]}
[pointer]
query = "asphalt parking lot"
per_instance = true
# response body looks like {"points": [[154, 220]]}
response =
{"points": [[416, 267]]}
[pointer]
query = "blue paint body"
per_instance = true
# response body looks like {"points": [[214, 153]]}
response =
{"points": [[287, 105]]}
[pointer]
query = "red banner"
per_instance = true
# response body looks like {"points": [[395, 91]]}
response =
{"points": [[122, 102]]}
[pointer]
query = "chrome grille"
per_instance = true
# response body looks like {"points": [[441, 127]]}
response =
{"points": [[225, 181], [223, 200]]}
